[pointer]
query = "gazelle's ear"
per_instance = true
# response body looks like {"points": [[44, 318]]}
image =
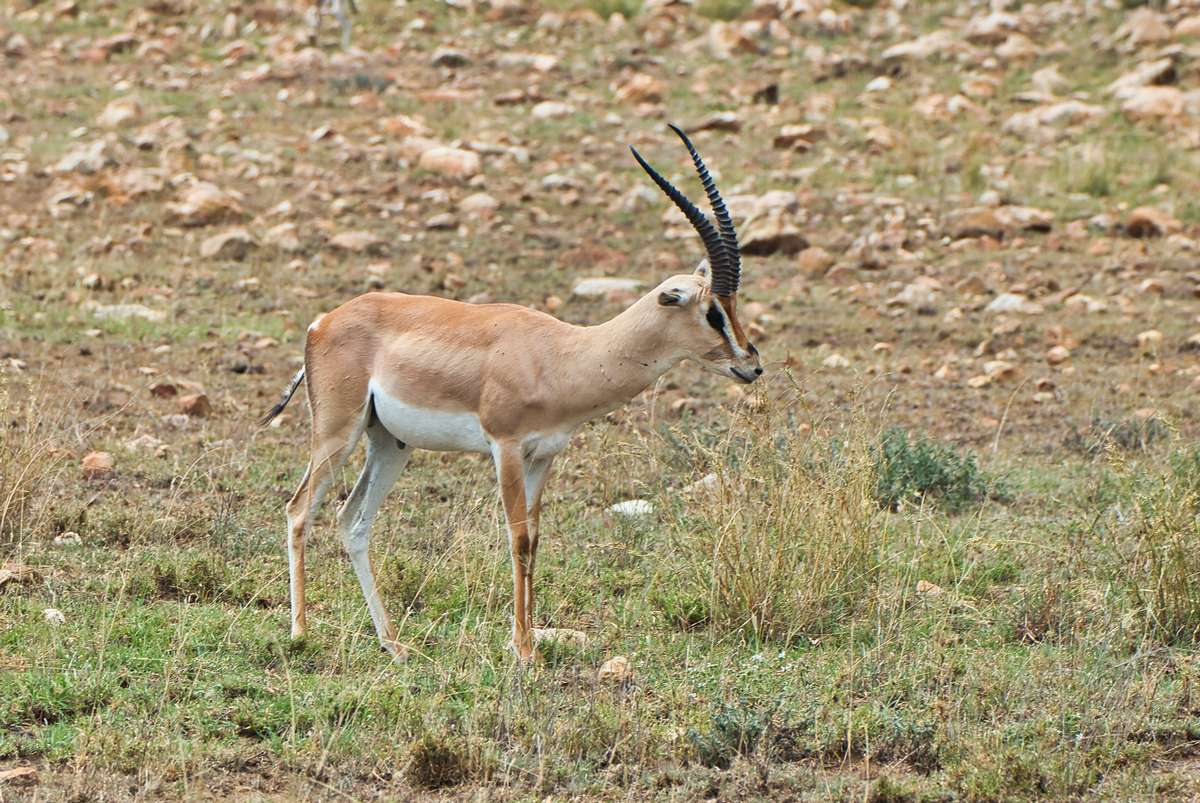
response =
{"points": [[702, 269], [675, 297]]}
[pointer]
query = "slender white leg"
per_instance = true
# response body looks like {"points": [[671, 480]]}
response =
{"points": [[343, 18], [385, 461], [536, 472]]}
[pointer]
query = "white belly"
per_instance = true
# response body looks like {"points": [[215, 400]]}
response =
{"points": [[436, 430]]}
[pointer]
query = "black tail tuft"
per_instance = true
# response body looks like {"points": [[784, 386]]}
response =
{"points": [[283, 402]]}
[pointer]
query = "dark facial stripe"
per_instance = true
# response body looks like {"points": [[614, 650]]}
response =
{"points": [[715, 319]]}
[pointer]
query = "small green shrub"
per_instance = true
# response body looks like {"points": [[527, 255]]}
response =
{"points": [[735, 731], [912, 470]]}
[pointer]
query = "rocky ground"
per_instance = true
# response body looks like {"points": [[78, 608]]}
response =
{"points": [[975, 221]]}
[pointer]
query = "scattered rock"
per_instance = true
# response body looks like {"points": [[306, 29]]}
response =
{"points": [[939, 44], [920, 295], [709, 483], [137, 182], [123, 312], [1147, 221], [1151, 101], [770, 234], [615, 670], [479, 204], [195, 405], [1143, 27], [551, 109], [203, 204], [442, 221], [17, 573], [120, 112], [358, 242], [1014, 302], [98, 466], [990, 29], [68, 539], [835, 361], [976, 222], [454, 162], [23, 775], [641, 88], [1084, 303], [1049, 81], [1151, 72], [814, 262], [1042, 124], [449, 57], [1150, 340], [233, 244], [283, 236], [560, 635], [87, 158], [928, 589], [1017, 47], [1058, 355]]}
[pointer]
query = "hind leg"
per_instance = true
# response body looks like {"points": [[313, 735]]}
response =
{"points": [[328, 454], [386, 459]]}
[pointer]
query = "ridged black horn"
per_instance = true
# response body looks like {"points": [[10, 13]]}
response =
{"points": [[713, 243], [726, 278]]}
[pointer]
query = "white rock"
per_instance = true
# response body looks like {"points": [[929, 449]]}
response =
{"points": [[88, 158], [938, 43], [54, 616], [835, 361], [120, 112], [68, 539], [921, 295], [880, 84], [1144, 75], [551, 109], [632, 508], [123, 312], [1014, 302], [603, 285], [233, 244], [448, 161], [706, 484]]}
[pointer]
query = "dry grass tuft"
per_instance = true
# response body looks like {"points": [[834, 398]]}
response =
{"points": [[787, 543]]}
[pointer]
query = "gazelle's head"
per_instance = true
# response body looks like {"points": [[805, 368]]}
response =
{"points": [[701, 308]]}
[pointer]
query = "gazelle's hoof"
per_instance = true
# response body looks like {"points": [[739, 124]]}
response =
{"points": [[528, 655], [398, 651]]}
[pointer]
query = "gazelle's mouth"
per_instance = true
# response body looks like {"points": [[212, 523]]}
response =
{"points": [[746, 378]]}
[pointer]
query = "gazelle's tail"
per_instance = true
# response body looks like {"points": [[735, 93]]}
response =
{"points": [[283, 402]]}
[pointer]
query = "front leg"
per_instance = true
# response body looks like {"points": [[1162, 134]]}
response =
{"points": [[536, 472], [510, 470]]}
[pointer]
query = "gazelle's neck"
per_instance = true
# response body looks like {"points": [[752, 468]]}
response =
{"points": [[614, 361]]}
